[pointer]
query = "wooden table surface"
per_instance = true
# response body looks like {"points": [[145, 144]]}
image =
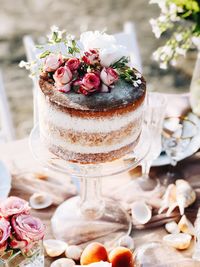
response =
{"points": [[18, 158]]}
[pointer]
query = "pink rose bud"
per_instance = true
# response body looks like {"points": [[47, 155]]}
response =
{"points": [[64, 88], [91, 57], [108, 76], [27, 228], [73, 63], [12, 206], [53, 62], [62, 76], [16, 244], [91, 81], [5, 230]]}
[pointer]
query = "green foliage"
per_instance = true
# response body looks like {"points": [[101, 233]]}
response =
{"points": [[190, 11], [121, 63], [72, 48], [45, 54]]}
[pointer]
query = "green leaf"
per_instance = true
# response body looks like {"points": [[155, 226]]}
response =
{"points": [[45, 54]]}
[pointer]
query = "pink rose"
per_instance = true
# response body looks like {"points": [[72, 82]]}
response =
{"points": [[91, 81], [73, 63], [4, 233], [91, 57], [108, 76], [27, 228], [62, 76], [53, 62], [64, 88], [81, 89], [12, 206]]}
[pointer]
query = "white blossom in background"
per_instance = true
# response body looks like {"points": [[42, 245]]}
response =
{"points": [[181, 37]]}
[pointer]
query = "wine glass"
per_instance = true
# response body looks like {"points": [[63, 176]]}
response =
{"points": [[144, 186], [156, 105], [177, 135]]}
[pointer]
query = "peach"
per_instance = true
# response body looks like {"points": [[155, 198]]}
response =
{"points": [[121, 256], [94, 252]]}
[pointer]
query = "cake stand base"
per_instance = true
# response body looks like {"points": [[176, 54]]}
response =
{"points": [[77, 225], [90, 216]]}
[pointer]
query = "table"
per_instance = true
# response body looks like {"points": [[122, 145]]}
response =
{"points": [[17, 156]]}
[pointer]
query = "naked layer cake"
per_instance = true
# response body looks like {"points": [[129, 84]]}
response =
{"points": [[91, 101]]}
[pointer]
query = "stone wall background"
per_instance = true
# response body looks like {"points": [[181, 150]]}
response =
{"points": [[20, 17]]}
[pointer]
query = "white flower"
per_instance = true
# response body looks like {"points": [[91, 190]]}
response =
{"points": [[173, 62], [163, 18], [156, 55], [138, 75], [155, 27], [163, 65], [137, 83], [112, 54], [167, 50], [178, 37], [181, 51], [54, 28], [96, 40], [24, 64]]}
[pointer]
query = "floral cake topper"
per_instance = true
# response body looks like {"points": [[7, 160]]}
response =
{"points": [[92, 64]]}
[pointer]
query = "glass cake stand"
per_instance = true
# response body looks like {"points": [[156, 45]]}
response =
{"points": [[89, 216]]}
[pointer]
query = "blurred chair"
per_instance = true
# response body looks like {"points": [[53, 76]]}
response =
{"points": [[128, 39], [31, 56], [7, 132]]}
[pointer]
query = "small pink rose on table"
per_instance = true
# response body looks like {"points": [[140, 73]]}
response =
{"points": [[53, 62], [27, 227], [73, 63], [5, 231], [109, 76], [12, 206]]}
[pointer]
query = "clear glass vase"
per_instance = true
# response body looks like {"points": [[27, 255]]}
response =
{"points": [[195, 83], [33, 258]]}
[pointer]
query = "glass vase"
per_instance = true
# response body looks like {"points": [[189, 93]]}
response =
{"points": [[195, 83], [16, 258]]}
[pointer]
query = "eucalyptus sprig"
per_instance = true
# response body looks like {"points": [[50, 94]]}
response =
{"points": [[121, 63], [73, 48], [130, 76]]}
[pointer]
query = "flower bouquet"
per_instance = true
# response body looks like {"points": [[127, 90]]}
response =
{"points": [[181, 18], [77, 65], [20, 235]]}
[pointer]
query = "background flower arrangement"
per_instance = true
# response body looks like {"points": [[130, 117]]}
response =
{"points": [[19, 231], [93, 64], [182, 19]]}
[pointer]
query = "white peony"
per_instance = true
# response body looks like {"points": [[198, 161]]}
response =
{"points": [[96, 40], [112, 54], [100, 264]]}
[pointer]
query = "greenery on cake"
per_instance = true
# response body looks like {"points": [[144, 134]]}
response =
{"points": [[93, 64]]}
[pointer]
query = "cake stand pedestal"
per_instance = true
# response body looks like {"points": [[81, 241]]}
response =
{"points": [[89, 216]]}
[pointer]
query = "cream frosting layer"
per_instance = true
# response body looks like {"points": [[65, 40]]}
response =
{"points": [[77, 148], [92, 125]]}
